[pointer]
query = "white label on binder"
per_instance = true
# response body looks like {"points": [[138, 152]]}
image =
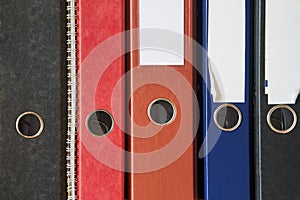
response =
{"points": [[282, 55], [166, 46], [226, 49]]}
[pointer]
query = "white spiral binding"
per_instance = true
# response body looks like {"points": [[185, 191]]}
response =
{"points": [[72, 99]]}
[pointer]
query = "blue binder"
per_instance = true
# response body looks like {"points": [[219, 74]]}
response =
{"points": [[227, 164]]}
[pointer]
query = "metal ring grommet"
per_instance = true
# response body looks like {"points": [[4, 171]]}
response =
{"points": [[41, 123], [269, 116], [168, 107], [100, 123], [238, 112]]}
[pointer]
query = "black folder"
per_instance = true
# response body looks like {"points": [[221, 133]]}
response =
{"points": [[32, 99], [277, 155]]}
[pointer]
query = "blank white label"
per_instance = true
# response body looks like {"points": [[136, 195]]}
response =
{"points": [[226, 49], [282, 61], [162, 32]]}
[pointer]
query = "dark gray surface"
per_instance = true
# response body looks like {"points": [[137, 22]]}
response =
{"points": [[277, 156], [32, 78]]}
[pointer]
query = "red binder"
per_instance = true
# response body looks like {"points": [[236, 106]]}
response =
{"points": [[162, 160], [99, 166]]}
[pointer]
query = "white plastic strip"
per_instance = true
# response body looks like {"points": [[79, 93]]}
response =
{"points": [[226, 50], [72, 99], [282, 62], [165, 15]]}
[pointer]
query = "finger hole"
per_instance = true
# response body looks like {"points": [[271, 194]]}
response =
{"points": [[228, 117], [29, 125], [100, 123], [282, 119], [161, 112]]}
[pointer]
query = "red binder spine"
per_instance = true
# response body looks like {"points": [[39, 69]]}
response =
{"points": [[99, 167], [160, 173]]}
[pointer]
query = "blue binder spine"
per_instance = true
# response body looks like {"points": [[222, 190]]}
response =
{"points": [[227, 165]]}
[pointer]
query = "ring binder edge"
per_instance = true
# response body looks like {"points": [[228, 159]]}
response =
{"points": [[71, 99]]}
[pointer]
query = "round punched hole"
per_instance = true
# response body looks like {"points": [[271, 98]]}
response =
{"points": [[29, 125], [100, 123], [228, 117], [161, 112], [282, 119]]}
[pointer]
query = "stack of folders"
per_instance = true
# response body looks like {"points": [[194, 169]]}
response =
{"points": [[149, 100]]}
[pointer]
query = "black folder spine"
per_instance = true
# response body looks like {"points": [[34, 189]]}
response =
{"points": [[33, 79], [277, 160]]}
